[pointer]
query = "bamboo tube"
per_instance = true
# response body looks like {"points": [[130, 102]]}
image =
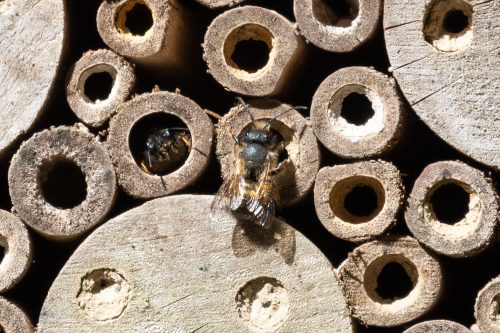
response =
{"points": [[31, 47], [437, 326], [453, 209], [97, 84], [356, 112], [443, 57], [358, 201], [151, 33], [214, 4], [13, 319], [252, 50], [62, 182], [337, 26], [128, 135], [16, 244], [487, 307], [390, 282], [216, 275], [297, 171]]}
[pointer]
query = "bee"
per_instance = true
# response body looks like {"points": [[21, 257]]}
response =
{"points": [[165, 150], [250, 193]]}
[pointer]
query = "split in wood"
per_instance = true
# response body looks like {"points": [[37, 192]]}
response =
{"points": [[356, 112], [437, 326], [98, 84], [358, 201], [487, 307], [390, 282], [131, 128], [62, 182], [215, 4], [297, 170], [13, 319], [453, 209], [337, 26], [252, 50]]}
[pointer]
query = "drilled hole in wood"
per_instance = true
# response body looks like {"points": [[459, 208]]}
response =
{"points": [[135, 18], [356, 109], [98, 86], [62, 183], [455, 21], [338, 13], [450, 203]]}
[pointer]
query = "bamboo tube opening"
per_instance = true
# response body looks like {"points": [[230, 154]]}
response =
{"points": [[97, 83], [487, 307], [450, 201], [448, 25], [13, 319], [134, 18], [337, 13]]}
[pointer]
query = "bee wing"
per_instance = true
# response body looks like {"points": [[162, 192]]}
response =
{"points": [[263, 203], [231, 193]]}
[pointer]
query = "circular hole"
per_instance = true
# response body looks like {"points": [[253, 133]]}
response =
{"points": [[338, 13], [98, 86], [357, 199], [134, 17], [263, 304], [248, 48], [455, 21], [62, 183], [450, 203], [356, 109], [160, 143], [495, 309]]}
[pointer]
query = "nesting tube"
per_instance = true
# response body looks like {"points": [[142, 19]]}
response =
{"points": [[337, 26], [135, 123], [356, 112], [97, 84], [358, 201], [13, 319], [390, 282], [437, 326], [151, 33], [62, 182], [487, 307], [453, 209], [214, 4], [16, 244], [295, 175], [252, 50]]}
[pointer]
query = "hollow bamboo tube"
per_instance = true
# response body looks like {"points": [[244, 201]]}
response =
{"points": [[31, 49], [350, 131], [297, 171], [225, 39], [123, 26], [337, 26], [361, 278], [462, 222], [131, 177], [375, 186], [92, 72], [229, 276], [214, 4], [487, 307], [13, 319], [62, 182], [437, 326]]}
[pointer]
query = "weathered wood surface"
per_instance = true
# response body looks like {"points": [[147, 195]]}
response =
{"points": [[31, 42], [450, 79], [167, 266]]}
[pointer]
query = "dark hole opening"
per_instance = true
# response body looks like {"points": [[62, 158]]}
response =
{"points": [[393, 282], [139, 19], [342, 8], [98, 86], [356, 109], [361, 201], [169, 143], [2, 253], [450, 203], [455, 21], [63, 184], [250, 55]]}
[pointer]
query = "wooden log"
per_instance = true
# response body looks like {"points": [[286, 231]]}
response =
{"points": [[252, 50], [97, 84], [453, 209], [447, 65], [437, 326], [487, 307], [298, 170], [62, 182], [128, 134], [32, 43], [215, 4], [179, 271], [16, 244], [13, 319], [356, 112], [378, 301], [339, 26], [358, 201]]}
